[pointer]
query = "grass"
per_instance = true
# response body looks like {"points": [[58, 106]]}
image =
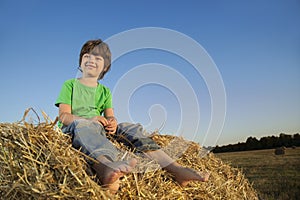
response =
{"points": [[273, 176]]}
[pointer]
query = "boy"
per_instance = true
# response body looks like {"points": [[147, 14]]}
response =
{"points": [[86, 113]]}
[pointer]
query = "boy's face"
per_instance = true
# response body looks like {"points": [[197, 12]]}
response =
{"points": [[92, 65]]}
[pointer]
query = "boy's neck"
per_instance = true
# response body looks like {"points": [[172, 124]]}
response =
{"points": [[89, 81]]}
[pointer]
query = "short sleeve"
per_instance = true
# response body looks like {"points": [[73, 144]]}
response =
{"points": [[65, 95]]}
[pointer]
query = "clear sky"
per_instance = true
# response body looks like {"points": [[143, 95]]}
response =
{"points": [[255, 46]]}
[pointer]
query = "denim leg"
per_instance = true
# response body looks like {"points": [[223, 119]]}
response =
{"points": [[135, 137], [90, 137]]}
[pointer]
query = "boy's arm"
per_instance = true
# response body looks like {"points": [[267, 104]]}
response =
{"points": [[66, 117], [112, 121], [109, 113]]}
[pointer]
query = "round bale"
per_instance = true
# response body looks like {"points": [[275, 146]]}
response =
{"points": [[280, 151]]}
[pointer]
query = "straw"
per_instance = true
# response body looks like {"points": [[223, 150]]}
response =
{"points": [[39, 162]]}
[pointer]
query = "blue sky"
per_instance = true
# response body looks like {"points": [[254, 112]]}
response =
{"points": [[254, 44]]}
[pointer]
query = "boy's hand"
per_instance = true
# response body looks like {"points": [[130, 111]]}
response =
{"points": [[111, 127], [110, 124], [100, 119]]}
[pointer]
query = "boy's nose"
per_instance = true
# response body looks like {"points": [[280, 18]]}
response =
{"points": [[91, 59]]}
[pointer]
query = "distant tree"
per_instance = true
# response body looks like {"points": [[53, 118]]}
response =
{"points": [[217, 149], [285, 140], [241, 146], [275, 142], [269, 142], [252, 143], [266, 142], [296, 139]]}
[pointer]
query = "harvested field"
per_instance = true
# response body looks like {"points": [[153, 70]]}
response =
{"points": [[273, 176], [38, 162]]}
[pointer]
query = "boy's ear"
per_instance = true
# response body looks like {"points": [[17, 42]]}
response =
{"points": [[105, 69]]}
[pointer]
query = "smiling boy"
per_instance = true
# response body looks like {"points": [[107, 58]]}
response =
{"points": [[86, 113]]}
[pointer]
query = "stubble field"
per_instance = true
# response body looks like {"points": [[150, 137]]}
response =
{"points": [[273, 176]]}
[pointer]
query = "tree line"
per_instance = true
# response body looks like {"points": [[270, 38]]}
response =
{"points": [[269, 142]]}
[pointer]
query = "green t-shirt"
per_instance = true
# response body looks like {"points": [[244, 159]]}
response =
{"points": [[85, 101]]}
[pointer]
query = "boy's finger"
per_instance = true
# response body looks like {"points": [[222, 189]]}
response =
{"points": [[109, 128], [103, 121]]}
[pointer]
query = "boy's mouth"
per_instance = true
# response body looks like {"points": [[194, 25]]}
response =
{"points": [[90, 66]]}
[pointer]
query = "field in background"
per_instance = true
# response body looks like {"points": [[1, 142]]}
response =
{"points": [[273, 176]]}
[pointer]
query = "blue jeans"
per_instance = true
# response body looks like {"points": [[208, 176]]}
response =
{"points": [[91, 138]]}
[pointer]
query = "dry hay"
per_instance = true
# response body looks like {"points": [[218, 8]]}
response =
{"points": [[280, 151], [38, 162]]}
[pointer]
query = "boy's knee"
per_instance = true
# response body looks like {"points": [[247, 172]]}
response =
{"points": [[130, 127]]}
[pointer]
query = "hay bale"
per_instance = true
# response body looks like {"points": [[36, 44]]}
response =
{"points": [[280, 151], [38, 162]]}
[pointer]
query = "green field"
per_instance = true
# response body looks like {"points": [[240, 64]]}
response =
{"points": [[273, 176]]}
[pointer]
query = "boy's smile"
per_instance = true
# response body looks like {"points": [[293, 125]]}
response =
{"points": [[92, 65], [88, 66]]}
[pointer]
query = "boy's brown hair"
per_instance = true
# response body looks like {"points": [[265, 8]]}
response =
{"points": [[97, 47]]}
